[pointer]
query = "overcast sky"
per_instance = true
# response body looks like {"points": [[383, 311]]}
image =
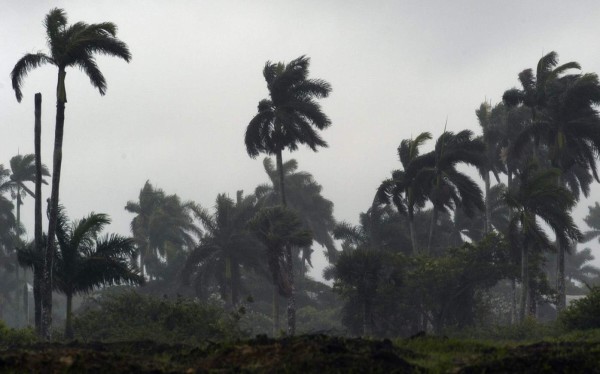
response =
{"points": [[176, 114]]}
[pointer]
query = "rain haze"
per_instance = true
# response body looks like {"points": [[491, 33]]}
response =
{"points": [[176, 115]]}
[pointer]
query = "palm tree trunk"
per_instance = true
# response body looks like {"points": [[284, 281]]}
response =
{"points": [[366, 325], [411, 229], [37, 299], [51, 247], [434, 215], [291, 308], [229, 291], [560, 272], [524, 281], [488, 214], [38, 209], [275, 310], [513, 301], [69, 317]]}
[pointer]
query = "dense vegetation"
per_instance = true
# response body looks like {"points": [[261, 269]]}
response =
{"points": [[437, 252]]}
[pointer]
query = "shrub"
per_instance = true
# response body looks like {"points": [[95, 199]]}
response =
{"points": [[132, 316], [584, 313], [10, 337]]}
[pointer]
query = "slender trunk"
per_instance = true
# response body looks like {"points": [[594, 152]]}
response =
{"points": [[39, 245], [513, 301], [411, 229], [366, 329], [560, 272], [532, 310], [291, 307], [524, 282], [69, 316], [434, 216], [54, 196], [228, 283], [275, 310], [37, 299], [26, 303], [488, 213]]}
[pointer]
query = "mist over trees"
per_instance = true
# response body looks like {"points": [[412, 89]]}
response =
{"points": [[471, 230]]}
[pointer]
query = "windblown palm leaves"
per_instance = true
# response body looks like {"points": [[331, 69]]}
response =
{"points": [[539, 197], [86, 260], [225, 248], [404, 190], [304, 196], [70, 46]]}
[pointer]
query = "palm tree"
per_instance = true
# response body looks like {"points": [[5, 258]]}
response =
{"points": [[226, 246], [286, 120], [538, 197], [279, 228], [403, 189], [447, 187], [31, 255], [303, 196], [86, 260], [22, 169], [70, 46], [162, 223]]}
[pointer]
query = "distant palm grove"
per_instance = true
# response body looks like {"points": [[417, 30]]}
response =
{"points": [[472, 230]]}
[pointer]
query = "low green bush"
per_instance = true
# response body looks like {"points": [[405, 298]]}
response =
{"points": [[121, 316], [583, 314], [11, 337]]}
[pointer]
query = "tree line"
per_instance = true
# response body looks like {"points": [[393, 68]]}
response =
{"points": [[425, 255]]}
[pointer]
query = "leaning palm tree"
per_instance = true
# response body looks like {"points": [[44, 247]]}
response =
{"points": [[226, 247], [278, 228], [538, 197], [448, 188], [22, 169], [304, 196], [86, 261], [70, 46], [287, 119], [403, 189]]}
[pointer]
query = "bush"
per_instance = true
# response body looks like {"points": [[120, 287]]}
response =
{"points": [[584, 313], [132, 316], [10, 337]]}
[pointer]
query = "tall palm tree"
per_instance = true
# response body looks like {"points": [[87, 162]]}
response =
{"points": [[304, 196], [162, 222], [538, 197], [449, 188], [23, 170], [403, 189], [70, 46], [85, 260], [226, 247], [286, 120], [279, 228]]}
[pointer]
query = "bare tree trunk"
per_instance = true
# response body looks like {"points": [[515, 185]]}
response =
{"points": [[39, 245], [69, 317]]}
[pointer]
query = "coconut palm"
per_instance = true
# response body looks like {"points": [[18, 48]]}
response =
{"points": [[226, 246], [86, 261], [277, 228], [536, 198], [286, 120], [70, 46], [403, 189]]}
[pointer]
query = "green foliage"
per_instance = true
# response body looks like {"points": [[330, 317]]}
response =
{"points": [[11, 337], [129, 315], [583, 314]]}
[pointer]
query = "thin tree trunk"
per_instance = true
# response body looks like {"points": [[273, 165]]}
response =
{"points": [[275, 310], [228, 282], [434, 216], [69, 317], [488, 213], [39, 245], [366, 329], [411, 229], [513, 301], [524, 281], [532, 310], [560, 272], [51, 247]]}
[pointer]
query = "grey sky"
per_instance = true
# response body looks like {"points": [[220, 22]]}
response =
{"points": [[176, 115]]}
